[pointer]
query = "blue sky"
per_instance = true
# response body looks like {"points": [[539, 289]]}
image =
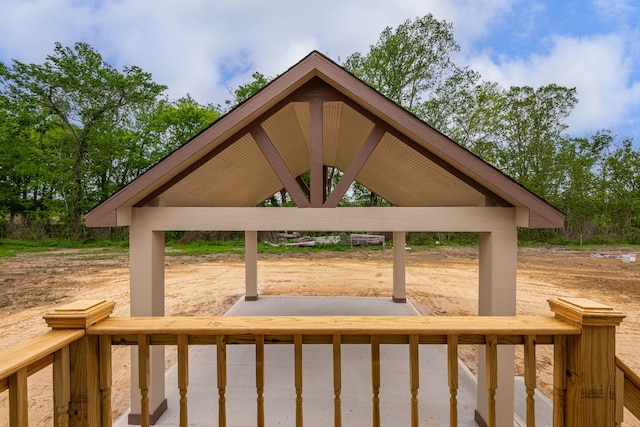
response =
{"points": [[206, 47]]}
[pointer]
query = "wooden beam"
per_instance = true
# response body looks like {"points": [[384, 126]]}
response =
{"points": [[453, 219], [355, 166], [315, 154], [279, 166]]}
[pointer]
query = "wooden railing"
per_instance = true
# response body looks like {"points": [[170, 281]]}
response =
{"points": [[581, 334], [627, 390]]}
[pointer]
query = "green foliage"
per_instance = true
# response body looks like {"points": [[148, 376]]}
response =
{"points": [[74, 101], [74, 129], [244, 92], [10, 247], [410, 62]]}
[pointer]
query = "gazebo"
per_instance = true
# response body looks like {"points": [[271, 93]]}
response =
{"points": [[314, 116]]}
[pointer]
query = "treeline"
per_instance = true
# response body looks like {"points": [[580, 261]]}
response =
{"points": [[75, 129], [520, 130]]}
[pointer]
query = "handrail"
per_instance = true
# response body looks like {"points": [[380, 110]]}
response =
{"points": [[334, 330], [631, 388], [432, 329], [34, 354], [83, 335]]}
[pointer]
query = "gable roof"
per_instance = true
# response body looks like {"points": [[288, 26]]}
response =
{"points": [[316, 115]]}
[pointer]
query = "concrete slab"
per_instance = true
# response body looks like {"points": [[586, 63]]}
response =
{"points": [[318, 394]]}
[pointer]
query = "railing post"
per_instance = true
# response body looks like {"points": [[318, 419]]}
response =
{"points": [[590, 398], [84, 379]]}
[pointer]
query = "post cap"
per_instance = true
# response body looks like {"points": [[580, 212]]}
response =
{"points": [[584, 311], [79, 314]]}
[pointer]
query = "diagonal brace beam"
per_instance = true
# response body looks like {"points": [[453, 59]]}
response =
{"points": [[355, 166], [279, 166]]}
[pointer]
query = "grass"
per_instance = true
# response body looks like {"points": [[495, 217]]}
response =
{"points": [[237, 247], [10, 247]]}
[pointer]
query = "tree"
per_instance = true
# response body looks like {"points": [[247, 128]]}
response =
{"points": [[77, 91], [244, 92], [410, 63], [530, 129], [621, 178], [579, 194]]}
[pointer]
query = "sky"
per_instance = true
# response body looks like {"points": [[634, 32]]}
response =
{"points": [[206, 48]]}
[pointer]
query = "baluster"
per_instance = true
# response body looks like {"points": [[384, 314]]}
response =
{"points": [[18, 401], [337, 381], [559, 378], [260, 378], [619, 396], [375, 378], [297, 344], [530, 377], [62, 386], [183, 377], [105, 379], [492, 377], [144, 373], [452, 362], [414, 367], [221, 349]]}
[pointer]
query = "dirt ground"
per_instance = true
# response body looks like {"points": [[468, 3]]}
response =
{"points": [[441, 281]]}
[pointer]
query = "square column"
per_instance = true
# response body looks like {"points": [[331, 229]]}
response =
{"points": [[497, 297], [399, 263], [146, 254], [251, 265]]}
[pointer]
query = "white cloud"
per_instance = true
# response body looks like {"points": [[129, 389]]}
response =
{"points": [[598, 67], [201, 47]]}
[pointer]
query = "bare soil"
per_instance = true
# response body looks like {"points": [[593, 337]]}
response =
{"points": [[441, 281]]}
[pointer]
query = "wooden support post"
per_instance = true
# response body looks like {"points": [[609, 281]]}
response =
{"points": [[83, 359], [260, 379], [375, 379], [297, 357], [590, 398], [106, 379], [337, 380], [251, 265], [61, 387], [497, 297], [221, 352], [18, 402], [399, 285], [414, 377], [452, 369], [183, 377], [559, 379], [146, 253]]}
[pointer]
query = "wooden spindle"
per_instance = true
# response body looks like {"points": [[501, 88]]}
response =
{"points": [[260, 378], [18, 401], [221, 350], [144, 374], [559, 379], [337, 381], [297, 345], [414, 372], [183, 377], [530, 377], [619, 396], [492, 377], [375, 379], [452, 369], [105, 363], [62, 387]]}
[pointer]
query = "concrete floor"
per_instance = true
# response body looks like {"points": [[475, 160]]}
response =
{"points": [[318, 377]]}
